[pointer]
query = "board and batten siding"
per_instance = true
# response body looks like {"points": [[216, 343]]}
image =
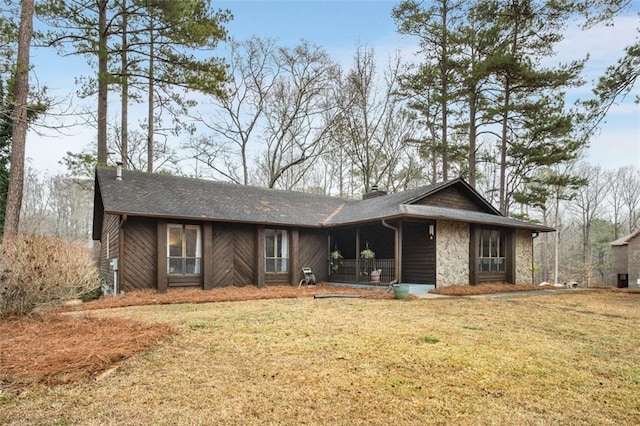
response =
{"points": [[418, 253], [140, 254]]}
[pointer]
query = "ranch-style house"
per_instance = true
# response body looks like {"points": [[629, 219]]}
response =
{"points": [[159, 231]]}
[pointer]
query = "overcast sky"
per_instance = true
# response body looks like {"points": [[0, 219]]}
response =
{"points": [[339, 26]]}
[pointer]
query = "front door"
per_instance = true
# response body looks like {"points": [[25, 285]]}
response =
{"points": [[419, 252]]}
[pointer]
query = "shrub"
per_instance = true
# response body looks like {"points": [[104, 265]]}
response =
{"points": [[429, 339], [38, 270]]}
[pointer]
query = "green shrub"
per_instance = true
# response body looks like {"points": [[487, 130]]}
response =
{"points": [[37, 270], [95, 294], [429, 339]]}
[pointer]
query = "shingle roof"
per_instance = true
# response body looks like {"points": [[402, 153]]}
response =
{"points": [[625, 240], [154, 195], [385, 208], [148, 194]]}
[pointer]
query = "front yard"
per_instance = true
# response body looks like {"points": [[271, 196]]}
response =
{"points": [[559, 359]]}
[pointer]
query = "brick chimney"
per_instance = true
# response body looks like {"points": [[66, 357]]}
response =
{"points": [[375, 192]]}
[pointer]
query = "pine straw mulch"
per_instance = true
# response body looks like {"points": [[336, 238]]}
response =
{"points": [[57, 348], [493, 288], [226, 294], [489, 288]]}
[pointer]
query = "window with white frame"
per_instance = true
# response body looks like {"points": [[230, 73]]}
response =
{"points": [[184, 249], [492, 251], [276, 250]]}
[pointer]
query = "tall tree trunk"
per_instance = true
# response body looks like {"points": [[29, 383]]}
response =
{"points": [[103, 84], [124, 119], [556, 237], [472, 138], [544, 249], [503, 150], [150, 117], [19, 132], [434, 154], [444, 87]]}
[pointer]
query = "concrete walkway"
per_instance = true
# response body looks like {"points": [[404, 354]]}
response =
{"points": [[540, 292]]}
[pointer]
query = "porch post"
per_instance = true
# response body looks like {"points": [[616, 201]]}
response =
{"points": [[207, 256], [473, 254], [259, 259], [294, 255], [161, 263], [399, 252], [358, 254], [396, 248]]}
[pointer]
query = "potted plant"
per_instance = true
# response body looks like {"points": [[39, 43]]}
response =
{"points": [[334, 260], [367, 255]]}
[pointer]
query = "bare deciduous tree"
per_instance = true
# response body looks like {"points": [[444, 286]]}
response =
{"points": [[298, 114], [630, 192], [588, 205], [236, 116], [374, 129]]}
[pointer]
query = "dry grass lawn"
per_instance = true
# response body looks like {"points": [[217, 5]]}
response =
{"points": [[553, 359]]}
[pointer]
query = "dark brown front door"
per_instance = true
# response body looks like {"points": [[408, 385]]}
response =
{"points": [[418, 253]]}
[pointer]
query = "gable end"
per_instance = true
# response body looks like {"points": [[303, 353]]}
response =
{"points": [[457, 197]]}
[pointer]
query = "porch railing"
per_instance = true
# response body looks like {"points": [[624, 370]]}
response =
{"points": [[359, 271]]}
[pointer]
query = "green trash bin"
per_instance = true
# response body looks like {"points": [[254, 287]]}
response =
{"points": [[401, 291]]}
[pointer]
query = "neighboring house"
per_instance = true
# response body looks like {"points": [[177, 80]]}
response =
{"points": [[625, 260], [165, 231]]}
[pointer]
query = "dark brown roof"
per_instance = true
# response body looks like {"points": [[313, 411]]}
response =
{"points": [[400, 205], [156, 195], [175, 197]]}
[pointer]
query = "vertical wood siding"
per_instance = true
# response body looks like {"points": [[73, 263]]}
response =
{"points": [[140, 254], [109, 241], [418, 253], [633, 261], [454, 197], [620, 259]]}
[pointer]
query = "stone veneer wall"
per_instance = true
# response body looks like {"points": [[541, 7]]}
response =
{"points": [[452, 253], [524, 256]]}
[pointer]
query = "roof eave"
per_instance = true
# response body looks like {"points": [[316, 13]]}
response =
{"points": [[210, 219], [530, 226]]}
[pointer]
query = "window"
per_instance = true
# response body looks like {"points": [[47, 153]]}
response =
{"points": [[276, 250], [492, 251], [183, 250]]}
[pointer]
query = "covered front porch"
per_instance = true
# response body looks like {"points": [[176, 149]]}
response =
{"points": [[403, 252]]}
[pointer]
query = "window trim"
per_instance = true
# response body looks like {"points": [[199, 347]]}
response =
{"points": [[198, 254], [496, 258], [283, 260]]}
